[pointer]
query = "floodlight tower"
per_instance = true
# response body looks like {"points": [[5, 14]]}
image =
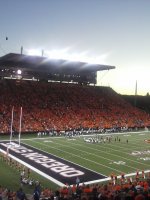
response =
{"points": [[21, 50]]}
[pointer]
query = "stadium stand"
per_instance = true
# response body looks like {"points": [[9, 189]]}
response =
{"points": [[58, 107], [127, 190], [55, 106]]}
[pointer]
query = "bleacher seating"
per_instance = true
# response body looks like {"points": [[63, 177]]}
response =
{"points": [[127, 190], [62, 106]]}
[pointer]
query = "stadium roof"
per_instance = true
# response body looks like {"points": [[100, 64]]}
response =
{"points": [[38, 66]]}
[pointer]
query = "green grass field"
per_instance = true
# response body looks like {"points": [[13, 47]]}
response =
{"points": [[105, 158]]}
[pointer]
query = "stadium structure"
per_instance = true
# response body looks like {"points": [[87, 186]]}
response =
{"points": [[41, 68], [61, 95], [60, 98]]}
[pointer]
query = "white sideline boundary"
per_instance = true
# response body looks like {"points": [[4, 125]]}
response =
{"points": [[118, 177], [58, 137], [77, 136], [61, 184], [86, 135], [34, 169]]}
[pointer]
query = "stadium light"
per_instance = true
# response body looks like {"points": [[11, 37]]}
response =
{"points": [[19, 72], [34, 52], [64, 54], [84, 56]]}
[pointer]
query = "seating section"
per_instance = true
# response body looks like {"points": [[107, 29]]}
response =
{"points": [[63, 106], [127, 189]]}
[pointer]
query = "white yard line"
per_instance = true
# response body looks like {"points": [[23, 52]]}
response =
{"points": [[105, 152], [141, 163], [95, 154], [118, 177], [34, 169], [78, 157], [90, 182], [59, 183]]}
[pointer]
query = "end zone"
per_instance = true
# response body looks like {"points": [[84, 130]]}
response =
{"points": [[54, 168]]}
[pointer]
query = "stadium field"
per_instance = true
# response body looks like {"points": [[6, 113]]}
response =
{"points": [[99, 155]]}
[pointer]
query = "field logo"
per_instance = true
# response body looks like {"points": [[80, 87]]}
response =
{"points": [[145, 159], [139, 153], [118, 162]]}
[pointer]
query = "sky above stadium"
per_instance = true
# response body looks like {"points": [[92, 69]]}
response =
{"points": [[113, 32]]}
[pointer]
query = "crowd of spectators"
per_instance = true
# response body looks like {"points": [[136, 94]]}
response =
{"points": [[127, 189], [62, 106], [121, 190]]}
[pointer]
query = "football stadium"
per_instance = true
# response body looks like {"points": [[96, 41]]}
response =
{"points": [[67, 137]]}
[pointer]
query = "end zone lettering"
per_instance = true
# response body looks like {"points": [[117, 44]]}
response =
{"points": [[54, 165], [54, 168]]}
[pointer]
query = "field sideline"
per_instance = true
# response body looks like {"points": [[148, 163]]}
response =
{"points": [[125, 153]]}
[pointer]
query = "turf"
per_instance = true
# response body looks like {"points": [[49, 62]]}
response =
{"points": [[105, 158], [101, 157]]}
